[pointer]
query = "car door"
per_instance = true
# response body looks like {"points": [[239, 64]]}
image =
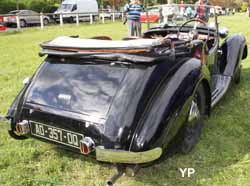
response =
{"points": [[24, 15], [212, 54], [154, 15], [34, 16]]}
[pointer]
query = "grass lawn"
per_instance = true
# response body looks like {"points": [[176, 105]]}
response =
{"points": [[222, 156]]}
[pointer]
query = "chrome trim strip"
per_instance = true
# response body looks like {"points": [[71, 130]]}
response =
{"points": [[120, 156]]}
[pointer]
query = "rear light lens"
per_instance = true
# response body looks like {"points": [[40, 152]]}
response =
{"points": [[22, 128], [87, 145], [85, 149]]}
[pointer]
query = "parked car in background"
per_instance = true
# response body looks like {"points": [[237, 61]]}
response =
{"points": [[153, 15], [2, 27], [70, 7], [108, 13], [170, 13], [118, 15], [26, 17]]}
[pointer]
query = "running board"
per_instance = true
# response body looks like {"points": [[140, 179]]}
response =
{"points": [[221, 86]]}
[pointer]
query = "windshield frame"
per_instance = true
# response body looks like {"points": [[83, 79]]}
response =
{"points": [[66, 7], [14, 12], [214, 18]]}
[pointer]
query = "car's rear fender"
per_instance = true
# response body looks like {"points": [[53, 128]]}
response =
{"points": [[169, 108], [14, 111], [12, 115], [234, 49]]}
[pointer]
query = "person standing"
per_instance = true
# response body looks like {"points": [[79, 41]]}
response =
{"points": [[233, 11], [133, 10], [182, 8], [200, 10], [248, 11], [189, 12], [207, 10]]}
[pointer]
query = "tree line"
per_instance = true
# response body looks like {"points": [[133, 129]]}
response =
{"points": [[52, 5], [37, 5]]}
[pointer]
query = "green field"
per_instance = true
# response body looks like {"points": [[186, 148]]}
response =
{"points": [[222, 156]]}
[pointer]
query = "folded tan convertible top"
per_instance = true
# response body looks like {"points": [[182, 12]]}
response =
{"points": [[69, 44]]}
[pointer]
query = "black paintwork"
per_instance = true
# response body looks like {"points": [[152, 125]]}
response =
{"points": [[131, 106]]}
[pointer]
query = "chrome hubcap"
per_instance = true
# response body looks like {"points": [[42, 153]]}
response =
{"points": [[194, 112]]}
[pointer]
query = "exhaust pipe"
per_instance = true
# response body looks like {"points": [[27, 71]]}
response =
{"points": [[87, 145], [121, 169], [22, 128]]}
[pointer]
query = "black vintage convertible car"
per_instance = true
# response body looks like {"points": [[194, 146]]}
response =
{"points": [[127, 101]]}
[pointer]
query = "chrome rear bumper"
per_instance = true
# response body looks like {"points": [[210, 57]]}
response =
{"points": [[104, 155], [120, 156]]}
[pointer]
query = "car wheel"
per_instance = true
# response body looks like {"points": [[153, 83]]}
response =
{"points": [[191, 130], [22, 23], [237, 76], [45, 21], [95, 18], [71, 20]]}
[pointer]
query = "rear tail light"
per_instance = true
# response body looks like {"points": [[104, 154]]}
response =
{"points": [[87, 145], [22, 128], [13, 17]]}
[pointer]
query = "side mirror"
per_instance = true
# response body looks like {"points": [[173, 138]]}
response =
{"points": [[223, 32]]}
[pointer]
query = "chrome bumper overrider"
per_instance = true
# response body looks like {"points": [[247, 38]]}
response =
{"points": [[22, 128], [120, 156]]}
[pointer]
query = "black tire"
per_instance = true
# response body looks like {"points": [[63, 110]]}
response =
{"points": [[71, 20], [23, 23], [237, 76], [45, 21], [191, 131]]}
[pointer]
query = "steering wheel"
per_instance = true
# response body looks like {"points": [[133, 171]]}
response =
{"points": [[194, 31]]}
